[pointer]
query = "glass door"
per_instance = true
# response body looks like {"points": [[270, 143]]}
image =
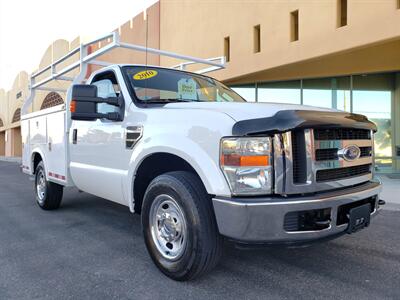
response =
{"points": [[373, 96]]}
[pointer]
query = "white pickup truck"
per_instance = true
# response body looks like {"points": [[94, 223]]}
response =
{"points": [[200, 164]]}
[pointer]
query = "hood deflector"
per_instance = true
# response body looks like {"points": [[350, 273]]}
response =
{"points": [[287, 120]]}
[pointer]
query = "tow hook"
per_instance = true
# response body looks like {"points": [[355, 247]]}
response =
{"points": [[381, 202], [322, 224]]}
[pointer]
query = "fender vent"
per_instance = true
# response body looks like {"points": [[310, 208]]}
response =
{"points": [[133, 135]]}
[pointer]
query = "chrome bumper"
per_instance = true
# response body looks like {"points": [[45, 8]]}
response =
{"points": [[261, 220]]}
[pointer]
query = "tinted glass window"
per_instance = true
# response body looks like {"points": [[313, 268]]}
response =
{"points": [[157, 84]]}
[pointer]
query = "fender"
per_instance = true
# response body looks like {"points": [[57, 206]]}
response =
{"points": [[205, 163], [40, 152]]}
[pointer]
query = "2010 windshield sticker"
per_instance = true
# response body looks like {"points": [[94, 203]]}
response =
{"points": [[143, 75]]}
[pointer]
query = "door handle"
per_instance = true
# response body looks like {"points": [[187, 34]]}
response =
{"points": [[75, 136]]}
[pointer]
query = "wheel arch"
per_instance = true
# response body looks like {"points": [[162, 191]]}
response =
{"points": [[36, 157], [154, 165]]}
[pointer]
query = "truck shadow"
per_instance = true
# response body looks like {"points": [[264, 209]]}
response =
{"points": [[355, 262]]}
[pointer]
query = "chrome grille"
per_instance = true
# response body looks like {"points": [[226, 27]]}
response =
{"points": [[313, 160], [332, 153], [340, 173], [342, 134]]}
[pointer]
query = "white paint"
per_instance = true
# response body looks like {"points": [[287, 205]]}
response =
{"points": [[101, 164]]}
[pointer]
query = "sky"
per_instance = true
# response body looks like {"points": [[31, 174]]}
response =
{"points": [[28, 27]]}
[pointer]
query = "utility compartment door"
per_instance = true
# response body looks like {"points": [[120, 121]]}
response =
{"points": [[56, 147], [26, 147], [38, 128]]}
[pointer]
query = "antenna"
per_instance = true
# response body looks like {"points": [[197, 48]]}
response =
{"points": [[146, 45], [147, 31]]}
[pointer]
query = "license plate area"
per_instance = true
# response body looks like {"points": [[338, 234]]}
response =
{"points": [[343, 213], [359, 217]]}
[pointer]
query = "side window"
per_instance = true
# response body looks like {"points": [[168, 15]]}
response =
{"points": [[107, 86]]}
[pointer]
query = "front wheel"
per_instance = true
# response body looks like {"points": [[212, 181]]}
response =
{"points": [[48, 194], [179, 226]]}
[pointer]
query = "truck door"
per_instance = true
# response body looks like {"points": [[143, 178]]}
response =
{"points": [[99, 159]]}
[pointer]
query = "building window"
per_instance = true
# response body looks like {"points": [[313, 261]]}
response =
{"points": [[398, 4], [227, 48], [1, 123], [52, 99], [372, 96], [257, 38], [341, 13], [16, 116], [248, 91], [327, 92], [281, 92], [294, 25]]}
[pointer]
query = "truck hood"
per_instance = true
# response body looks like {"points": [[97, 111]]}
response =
{"points": [[244, 111]]}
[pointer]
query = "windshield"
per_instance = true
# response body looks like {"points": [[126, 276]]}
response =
{"points": [[153, 85]]}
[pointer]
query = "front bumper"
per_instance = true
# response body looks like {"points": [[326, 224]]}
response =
{"points": [[261, 220]]}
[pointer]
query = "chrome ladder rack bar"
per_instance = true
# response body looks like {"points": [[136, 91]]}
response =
{"points": [[113, 40]]}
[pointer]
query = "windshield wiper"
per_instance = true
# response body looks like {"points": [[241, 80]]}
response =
{"points": [[168, 100]]}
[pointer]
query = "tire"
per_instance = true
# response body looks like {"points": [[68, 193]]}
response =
{"points": [[48, 194], [177, 210]]}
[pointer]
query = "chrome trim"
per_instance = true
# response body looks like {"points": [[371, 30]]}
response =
{"points": [[281, 169], [283, 155], [341, 163], [340, 144], [261, 220]]}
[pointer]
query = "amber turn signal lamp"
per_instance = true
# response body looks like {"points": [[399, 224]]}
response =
{"points": [[72, 106], [235, 160]]}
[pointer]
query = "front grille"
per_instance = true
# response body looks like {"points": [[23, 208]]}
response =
{"points": [[332, 153], [299, 157], [342, 134], [341, 173], [326, 154], [366, 151], [315, 159]]}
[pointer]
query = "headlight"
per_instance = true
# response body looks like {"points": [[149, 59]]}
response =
{"points": [[246, 163]]}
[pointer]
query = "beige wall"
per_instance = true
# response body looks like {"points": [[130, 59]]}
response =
{"points": [[198, 28], [3, 108], [369, 43], [13, 145], [2, 143], [396, 120], [16, 97], [134, 32]]}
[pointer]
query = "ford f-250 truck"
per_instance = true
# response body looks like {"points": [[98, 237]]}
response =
{"points": [[200, 164]]}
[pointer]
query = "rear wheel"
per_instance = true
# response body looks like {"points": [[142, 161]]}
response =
{"points": [[48, 194], [179, 226]]}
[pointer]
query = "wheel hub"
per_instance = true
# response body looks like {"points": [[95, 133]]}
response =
{"points": [[41, 185], [168, 227]]}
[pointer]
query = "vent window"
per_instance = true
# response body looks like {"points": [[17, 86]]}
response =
{"points": [[294, 25], [227, 48], [342, 13], [257, 38]]}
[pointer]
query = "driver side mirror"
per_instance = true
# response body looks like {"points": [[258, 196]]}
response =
{"points": [[84, 104]]}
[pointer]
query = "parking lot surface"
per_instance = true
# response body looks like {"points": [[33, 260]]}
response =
{"points": [[93, 249]]}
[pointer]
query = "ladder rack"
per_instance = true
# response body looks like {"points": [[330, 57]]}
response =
{"points": [[86, 58]]}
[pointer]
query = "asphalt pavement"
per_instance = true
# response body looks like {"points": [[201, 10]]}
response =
{"points": [[93, 249]]}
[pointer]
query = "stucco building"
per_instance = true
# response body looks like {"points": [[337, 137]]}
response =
{"points": [[343, 54]]}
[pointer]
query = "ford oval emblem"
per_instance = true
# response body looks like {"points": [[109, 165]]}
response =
{"points": [[351, 153]]}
